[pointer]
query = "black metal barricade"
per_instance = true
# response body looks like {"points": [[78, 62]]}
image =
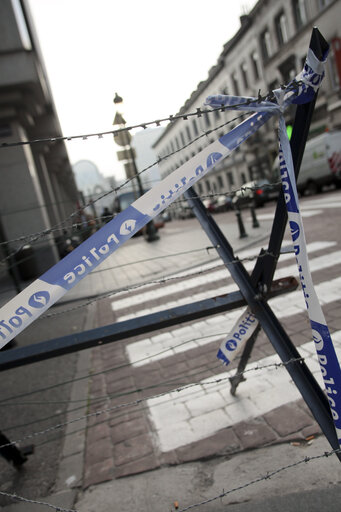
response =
{"points": [[255, 290]]}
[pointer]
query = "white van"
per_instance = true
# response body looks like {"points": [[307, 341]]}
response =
{"points": [[321, 163]]}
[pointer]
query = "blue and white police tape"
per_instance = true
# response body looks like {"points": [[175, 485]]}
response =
{"points": [[303, 89], [242, 331], [32, 302]]}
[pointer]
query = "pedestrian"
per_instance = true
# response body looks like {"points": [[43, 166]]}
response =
{"points": [[106, 215]]}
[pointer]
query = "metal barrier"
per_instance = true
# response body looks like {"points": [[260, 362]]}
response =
{"points": [[255, 290]]}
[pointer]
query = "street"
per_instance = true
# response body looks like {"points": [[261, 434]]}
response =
{"points": [[160, 428]]}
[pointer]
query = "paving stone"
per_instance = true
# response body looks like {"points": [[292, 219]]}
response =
{"points": [[132, 449], [98, 432], [312, 430], [118, 417], [128, 430], [98, 451], [287, 419], [120, 386], [223, 442], [144, 464], [97, 473], [254, 433]]}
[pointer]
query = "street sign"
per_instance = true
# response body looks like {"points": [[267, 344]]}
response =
{"points": [[126, 154], [122, 138]]}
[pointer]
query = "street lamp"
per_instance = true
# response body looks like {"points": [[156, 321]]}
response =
{"points": [[124, 139]]}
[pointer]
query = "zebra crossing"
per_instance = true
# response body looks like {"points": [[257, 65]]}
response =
{"points": [[199, 411]]}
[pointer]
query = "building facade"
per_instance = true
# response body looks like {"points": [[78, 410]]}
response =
{"points": [[37, 186], [268, 50]]}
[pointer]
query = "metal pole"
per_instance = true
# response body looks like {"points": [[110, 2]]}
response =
{"points": [[255, 223], [242, 232]]}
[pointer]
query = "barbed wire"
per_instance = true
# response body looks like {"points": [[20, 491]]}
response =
{"points": [[35, 502], [173, 206], [269, 96], [199, 112], [268, 475], [95, 400], [33, 238], [141, 400], [60, 224], [161, 280]]}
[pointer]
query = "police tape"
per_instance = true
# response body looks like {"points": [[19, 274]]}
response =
{"points": [[326, 355], [307, 83], [240, 333]]}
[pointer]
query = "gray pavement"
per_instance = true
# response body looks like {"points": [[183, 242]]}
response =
{"points": [[313, 486]]}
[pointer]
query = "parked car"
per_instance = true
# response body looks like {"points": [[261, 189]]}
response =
{"points": [[256, 193], [210, 204], [321, 164], [223, 204]]}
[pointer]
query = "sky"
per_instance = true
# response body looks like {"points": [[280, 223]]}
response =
{"points": [[153, 53]]}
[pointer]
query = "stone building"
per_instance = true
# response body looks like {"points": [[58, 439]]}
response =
{"points": [[37, 186], [268, 50]]}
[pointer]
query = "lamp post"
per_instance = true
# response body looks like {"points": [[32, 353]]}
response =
{"points": [[124, 139]]}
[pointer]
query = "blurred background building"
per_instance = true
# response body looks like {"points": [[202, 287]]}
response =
{"points": [[268, 50], [37, 186], [92, 185]]}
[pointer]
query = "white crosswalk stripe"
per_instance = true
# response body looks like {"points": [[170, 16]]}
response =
{"points": [[195, 413], [180, 418], [152, 349], [219, 275]]}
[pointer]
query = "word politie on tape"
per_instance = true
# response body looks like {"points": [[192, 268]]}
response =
{"points": [[28, 305], [308, 81]]}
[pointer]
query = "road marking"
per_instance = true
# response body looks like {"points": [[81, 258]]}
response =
{"points": [[195, 413], [315, 264], [214, 328], [188, 284], [304, 213]]}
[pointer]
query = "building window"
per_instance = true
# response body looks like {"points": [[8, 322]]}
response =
{"points": [[288, 68], [323, 3], [243, 69], [334, 64], [208, 186], [172, 146], [265, 42], [200, 189], [177, 143], [230, 179], [235, 84], [281, 29], [220, 182], [255, 65], [300, 13], [188, 133], [195, 127], [207, 119], [182, 138]]}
